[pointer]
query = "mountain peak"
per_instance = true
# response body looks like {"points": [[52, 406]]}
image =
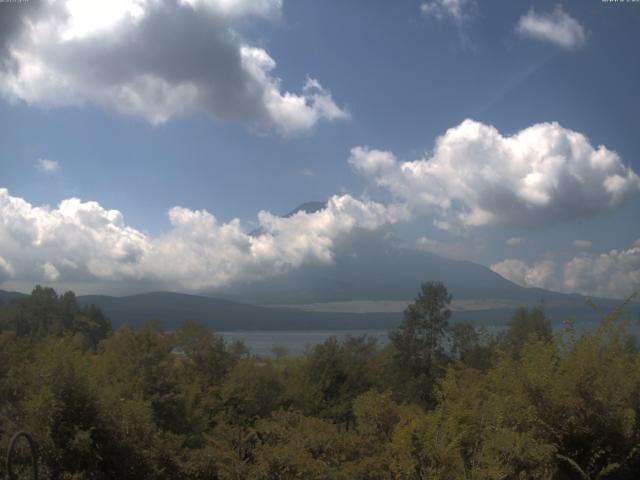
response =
{"points": [[308, 207]]}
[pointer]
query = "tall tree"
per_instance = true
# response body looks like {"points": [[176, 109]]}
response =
{"points": [[525, 324], [419, 340]]}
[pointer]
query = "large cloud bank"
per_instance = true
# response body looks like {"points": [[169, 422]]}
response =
{"points": [[476, 176], [614, 274], [83, 242], [155, 59]]}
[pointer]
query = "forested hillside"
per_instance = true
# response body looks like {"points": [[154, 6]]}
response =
{"points": [[440, 401]]}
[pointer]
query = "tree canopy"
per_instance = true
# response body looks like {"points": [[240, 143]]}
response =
{"points": [[442, 400]]}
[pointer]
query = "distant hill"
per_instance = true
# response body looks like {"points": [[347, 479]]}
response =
{"points": [[172, 309], [6, 297]]}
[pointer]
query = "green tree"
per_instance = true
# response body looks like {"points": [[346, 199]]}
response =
{"points": [[44, 314], [470, 346], [251, 391], [419, 340], [92, 324], [293, 446], [525, 324], [208, 358], [62, 408], [331, 376], [141, 364], [376, 415]]}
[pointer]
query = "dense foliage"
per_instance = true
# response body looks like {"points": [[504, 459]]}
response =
{"points": [[440, 401]]}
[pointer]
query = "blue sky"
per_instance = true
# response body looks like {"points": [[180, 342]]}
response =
{"points": [[392, 76]]}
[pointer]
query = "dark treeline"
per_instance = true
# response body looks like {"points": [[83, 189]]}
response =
{"points": [[441, 401]]}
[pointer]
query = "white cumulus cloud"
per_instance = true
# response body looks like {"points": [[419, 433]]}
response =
{"points": [[50, 272], [454, 250], [540, 274], [6, 270], [47, 166], [155, 59], [513, 241], [475, 176], [614, 274], [583, 244], [557, 27], [457, 11], [82, 241]]}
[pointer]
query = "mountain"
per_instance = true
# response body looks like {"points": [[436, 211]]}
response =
{"points": [[309, 207], [372, 268]]}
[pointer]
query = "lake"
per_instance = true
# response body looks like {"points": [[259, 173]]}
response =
{"points": [[261, 342]]}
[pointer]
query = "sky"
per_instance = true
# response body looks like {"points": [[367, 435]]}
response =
{"points": [[143, 140]]}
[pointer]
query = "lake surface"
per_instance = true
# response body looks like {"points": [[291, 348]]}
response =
{"points": [[261, 342]]}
